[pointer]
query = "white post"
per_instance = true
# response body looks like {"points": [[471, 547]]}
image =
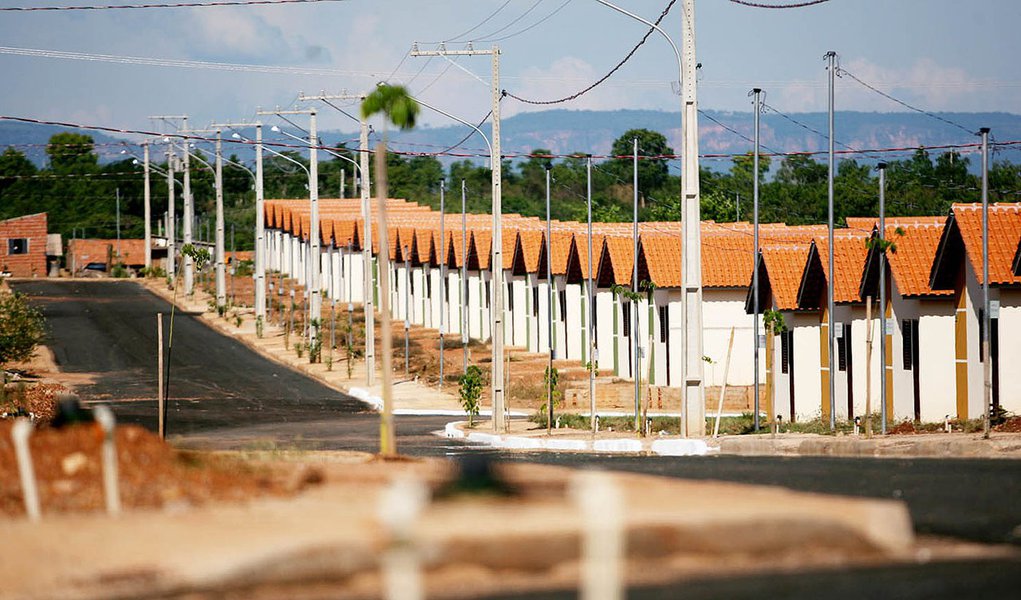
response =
{"points": [[20, 433], [591, 305], [634, 288], [399, 509], [882, 295], [601, 505], [105, 418], [723, 388]]}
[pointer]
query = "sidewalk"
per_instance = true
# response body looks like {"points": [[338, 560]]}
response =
{"points": [[523, 435]]}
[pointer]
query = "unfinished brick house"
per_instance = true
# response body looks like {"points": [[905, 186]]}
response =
{"points": [[23, 246]]}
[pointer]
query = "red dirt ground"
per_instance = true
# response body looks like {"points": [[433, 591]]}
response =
{"points": [[151, 473]]}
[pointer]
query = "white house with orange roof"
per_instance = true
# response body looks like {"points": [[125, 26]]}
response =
{"points": [[958, 267], [920, 331]]}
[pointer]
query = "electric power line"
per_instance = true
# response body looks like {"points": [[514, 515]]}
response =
{"points": [[804, 4], [604, 77], [842, 71], [159, 5]]}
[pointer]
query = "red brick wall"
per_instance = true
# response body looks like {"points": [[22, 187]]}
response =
{"points": [[33, 263]]}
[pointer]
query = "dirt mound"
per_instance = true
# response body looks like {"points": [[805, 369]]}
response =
{"points": [[40, 399], [903, 428], [152, 474], [1011, 425]]}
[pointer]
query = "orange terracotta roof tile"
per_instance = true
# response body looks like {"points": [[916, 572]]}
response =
{"points": [[849, 253], [560, 247], [659, 260], [616, 261], [1004, 233], [531, 248], [784, 266], [916, 240], [480, 247]]}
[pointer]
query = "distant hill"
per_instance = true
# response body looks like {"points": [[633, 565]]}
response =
{"points": [[31, 140], [566, 131]]}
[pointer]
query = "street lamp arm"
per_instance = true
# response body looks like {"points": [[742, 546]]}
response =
{"points": [[288, 158], [330, 152], [461, 121], [677, 53]]}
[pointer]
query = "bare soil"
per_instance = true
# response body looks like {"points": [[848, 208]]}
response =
{"points": [[151, 473]]}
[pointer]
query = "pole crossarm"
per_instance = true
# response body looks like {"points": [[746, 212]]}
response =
{"points": [[442, 51]]}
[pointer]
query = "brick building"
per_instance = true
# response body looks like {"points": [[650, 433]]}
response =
{"points": [[23, 246]]}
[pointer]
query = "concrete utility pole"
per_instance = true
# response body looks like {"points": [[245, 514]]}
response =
{"points": [[368, 302], [464, 276], [496, 289], [987, 366], [147, 207], [189, 210], [221, 275], [171, 249], [883, 375], [692, 391], [832, 71], [260, 231], [757, 93], [694, 400], [118, 208], [315, 265]]}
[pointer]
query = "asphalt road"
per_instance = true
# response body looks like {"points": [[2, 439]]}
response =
{"points": [[223, 395]]}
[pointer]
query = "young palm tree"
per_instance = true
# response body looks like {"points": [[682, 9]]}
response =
{"points": [[400, 110]]}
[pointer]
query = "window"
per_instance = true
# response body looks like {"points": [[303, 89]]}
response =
{"points": [[510, 297], [487, 295], [535, 301], [981, 333], [844, 348], [786, 345], [626, 317], [446, 291], [664, 324], [17, 246], [563, 305], [595, 316], [428, 286], [907, 338]]}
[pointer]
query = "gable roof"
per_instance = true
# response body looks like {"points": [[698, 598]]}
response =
{"points": [[781, 270], [962, 240], [910, 260]]}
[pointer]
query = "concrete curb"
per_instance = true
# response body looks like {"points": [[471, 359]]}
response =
{"points": [[901, 446], [662, 447]]}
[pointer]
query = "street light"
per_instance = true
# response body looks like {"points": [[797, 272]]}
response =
{"points": [[691, 271]]}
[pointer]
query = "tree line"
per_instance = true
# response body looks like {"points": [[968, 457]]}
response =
{"points": [[79, 194]]}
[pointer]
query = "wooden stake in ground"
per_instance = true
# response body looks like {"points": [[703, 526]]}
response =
{"points": [[723, 388], [868, 367], [159, 376], [387, 437]]}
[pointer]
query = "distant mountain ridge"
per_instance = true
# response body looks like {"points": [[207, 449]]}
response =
{"points": [[567, 131]]}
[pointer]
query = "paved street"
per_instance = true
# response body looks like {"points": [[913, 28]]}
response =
{"points": [[226, 396]]}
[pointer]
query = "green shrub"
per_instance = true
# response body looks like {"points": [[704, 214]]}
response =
{"points": [[470, 391], [22, 328]]}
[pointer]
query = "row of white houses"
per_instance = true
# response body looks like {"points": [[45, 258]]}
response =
{"points": [[440, 278]]}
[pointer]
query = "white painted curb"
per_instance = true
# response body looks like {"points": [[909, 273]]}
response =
{"points": [[567, 445], [620, 445], [453, 431], [680, 447]]}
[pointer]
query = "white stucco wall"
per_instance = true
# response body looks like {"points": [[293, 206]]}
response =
{"points": [[1010, 349], [605, 319]]}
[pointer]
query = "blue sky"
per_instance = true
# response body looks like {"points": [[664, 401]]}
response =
{"points": [[938, 54]]}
